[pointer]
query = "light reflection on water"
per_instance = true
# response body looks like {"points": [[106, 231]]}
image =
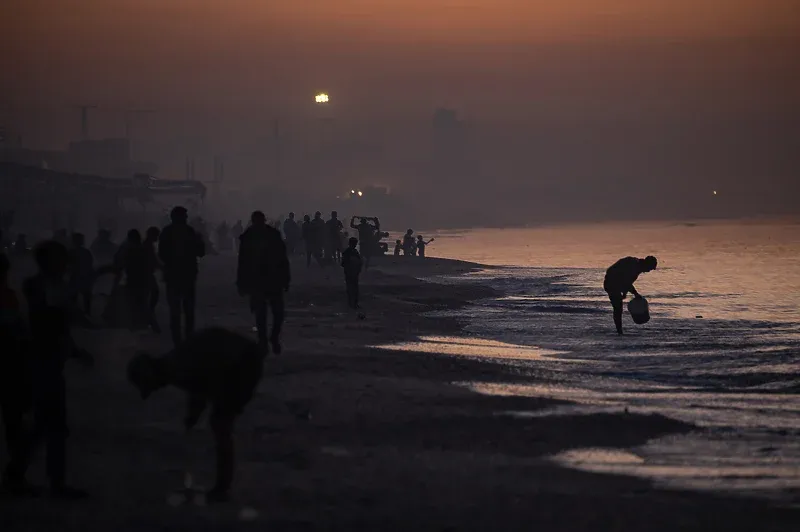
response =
{"points": [[471, 347], [720, 473], [722, 351]]}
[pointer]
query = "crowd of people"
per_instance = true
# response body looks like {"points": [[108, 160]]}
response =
{"points": [[213, 366]]}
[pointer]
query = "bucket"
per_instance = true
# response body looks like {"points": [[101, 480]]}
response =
{"points": [[639, 310]]}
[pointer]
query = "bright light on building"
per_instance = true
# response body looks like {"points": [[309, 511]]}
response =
{"points": [[321, 98], [352, 192], [360, 193]]}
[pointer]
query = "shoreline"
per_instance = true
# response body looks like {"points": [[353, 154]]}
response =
{"points": [[344, 435]]}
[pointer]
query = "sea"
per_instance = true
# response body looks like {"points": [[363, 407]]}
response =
{"points": [[722, 350]]}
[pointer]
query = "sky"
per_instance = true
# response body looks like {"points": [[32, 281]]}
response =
{"points": [[588, 78]]}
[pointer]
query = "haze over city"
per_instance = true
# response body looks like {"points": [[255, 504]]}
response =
{"points": [[562, 110]]}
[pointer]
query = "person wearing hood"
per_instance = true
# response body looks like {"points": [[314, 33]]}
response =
{"points": [[264, 275]]}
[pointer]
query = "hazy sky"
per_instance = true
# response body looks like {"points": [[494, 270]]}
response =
{"points": [[247, 52], [585, 77]]}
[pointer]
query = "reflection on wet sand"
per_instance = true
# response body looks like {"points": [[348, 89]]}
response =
{"points": [[471, 347]]}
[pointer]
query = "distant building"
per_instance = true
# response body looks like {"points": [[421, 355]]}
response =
{"points": [[105, 157]]}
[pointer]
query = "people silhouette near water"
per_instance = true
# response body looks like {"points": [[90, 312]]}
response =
{"points": [[619, 281], [213, 366], [333, 238], [351, 262], [409, 244], [264, 274], [366, 237], [421, 245], [179, 247]]}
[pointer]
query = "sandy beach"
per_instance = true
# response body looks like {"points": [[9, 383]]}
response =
{"points": [[344, 435]]}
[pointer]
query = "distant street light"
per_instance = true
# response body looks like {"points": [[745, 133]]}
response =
{"points": [[321, 98], [360, 193]]}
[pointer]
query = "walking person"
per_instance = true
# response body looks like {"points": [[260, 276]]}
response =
{"points": [[179, 247], [351, 262], [51, 345], [310, 238], [264, 275], [16, 387]]}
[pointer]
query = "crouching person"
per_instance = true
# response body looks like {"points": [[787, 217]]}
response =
{"points": [[213, 366]]}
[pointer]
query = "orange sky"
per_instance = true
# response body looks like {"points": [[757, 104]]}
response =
{"points": [[172, 52], [404, 20]]}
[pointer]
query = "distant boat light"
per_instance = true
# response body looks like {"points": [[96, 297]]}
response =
{"points": [[321, 98]]}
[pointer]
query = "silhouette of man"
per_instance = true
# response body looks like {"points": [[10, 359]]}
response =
{"points": [[179, 247], [333, 236], [213, 366], [310, 240], [81, 271], [619, 281], [264, 274], [51, 344], [421, 245], [351, 262], [16, 396], [291, 233], [318, 226], [236, 233], [366, 237], [152, 264], [409, 246]]}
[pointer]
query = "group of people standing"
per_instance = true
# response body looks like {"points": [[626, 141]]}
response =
{"points": [[324, 241]]}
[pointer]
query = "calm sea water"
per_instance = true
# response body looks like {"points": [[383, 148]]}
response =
{"points": [[722, 350]]}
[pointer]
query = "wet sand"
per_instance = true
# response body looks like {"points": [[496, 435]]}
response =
{"points": [[343, 435]]}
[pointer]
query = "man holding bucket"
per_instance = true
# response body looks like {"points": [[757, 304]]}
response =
{"points": [[619, 281]]}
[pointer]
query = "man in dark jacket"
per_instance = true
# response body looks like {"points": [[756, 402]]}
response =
{"points": [[49, 304], [213, 366], [619, 281], [179, 247], [16, 393], [264, 274]]}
